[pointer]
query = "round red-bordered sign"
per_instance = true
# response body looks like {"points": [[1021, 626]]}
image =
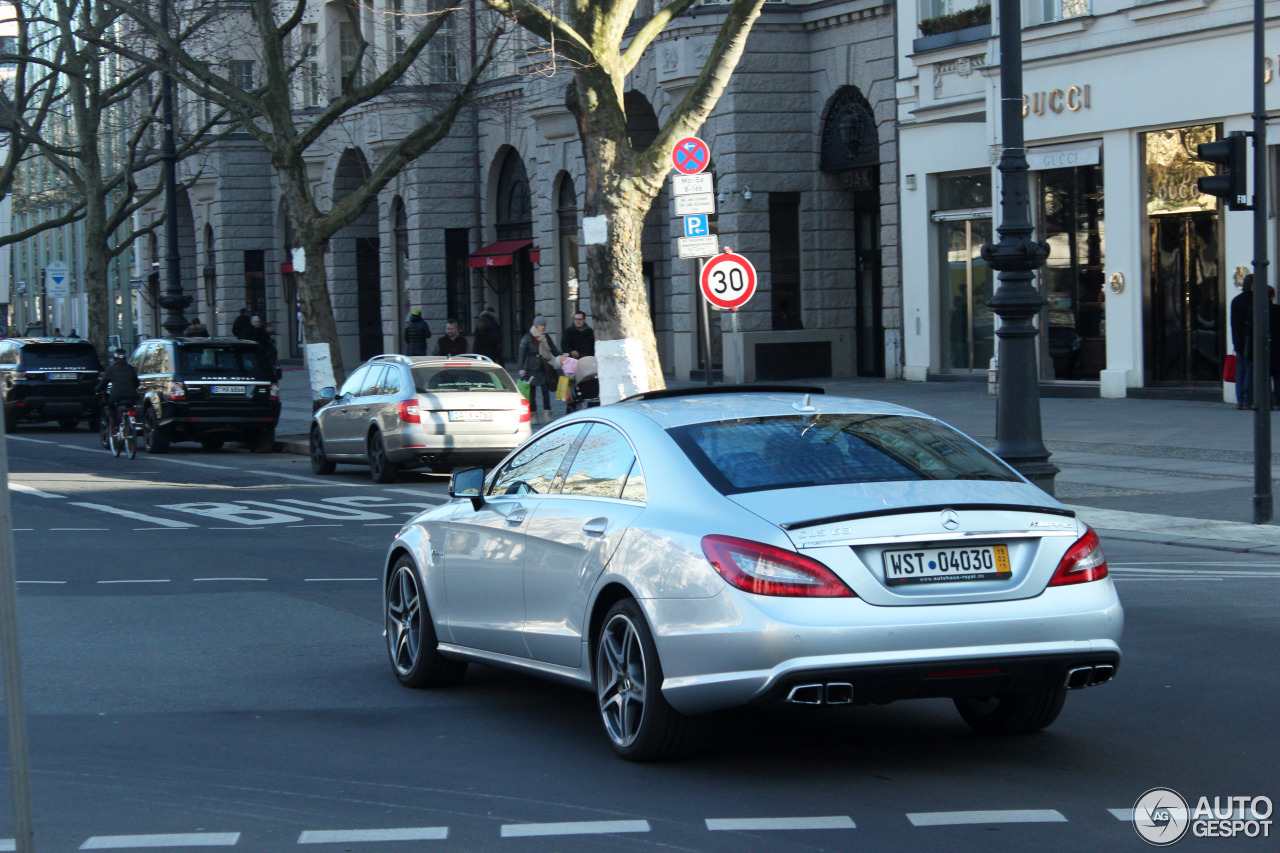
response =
{"points": [[728, 280], [690, 156]]}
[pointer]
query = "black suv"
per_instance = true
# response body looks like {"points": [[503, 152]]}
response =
{"points": [[209, 390], [49, 379]]}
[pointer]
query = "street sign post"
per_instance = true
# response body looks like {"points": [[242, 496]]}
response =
{"points": [[696, 225], [728, 281], [691, 204], [690, 156], [698, 247], [692, 184]]}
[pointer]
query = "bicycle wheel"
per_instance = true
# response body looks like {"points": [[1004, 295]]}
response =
{"points": [[130, 438], [117, 442]]}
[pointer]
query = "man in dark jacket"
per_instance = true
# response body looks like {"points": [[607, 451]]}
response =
{"points": [[1242, 342], [579, 340], [240, 328], [120, 382], [452, 343], [416, 334]]}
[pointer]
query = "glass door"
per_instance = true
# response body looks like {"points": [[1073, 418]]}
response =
{"points": [[1186, 307], [967, 324]]}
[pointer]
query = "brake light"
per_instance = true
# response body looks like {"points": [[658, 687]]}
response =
{"points": [[1082, 563], [410, 413], [273, 392], [177, 391], [765, 570], [525, 414]]}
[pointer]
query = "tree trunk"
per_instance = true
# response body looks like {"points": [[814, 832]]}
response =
{"points": [[97, 260]]}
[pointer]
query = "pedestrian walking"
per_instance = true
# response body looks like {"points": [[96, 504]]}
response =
{"points": [[240, 328], [579, 339], [416, 334], [451, 343], [195, 330], [1242, 342], [487, 341], [538, 365]]}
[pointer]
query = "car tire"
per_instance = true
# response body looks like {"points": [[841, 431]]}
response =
{"points": [[1012, 713], [154, 437], [382, 469], [320, 463], [411, 635], [639, 723], [211, 443]]}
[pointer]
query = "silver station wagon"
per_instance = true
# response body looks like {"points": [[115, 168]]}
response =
{"points": [[398, 412], [684, 552]]}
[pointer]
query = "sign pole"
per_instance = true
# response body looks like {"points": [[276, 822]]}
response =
{"points": [[737, 348], [706, 328]]}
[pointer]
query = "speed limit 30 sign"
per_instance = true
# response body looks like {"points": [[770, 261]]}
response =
{"points": [[728, 280]]}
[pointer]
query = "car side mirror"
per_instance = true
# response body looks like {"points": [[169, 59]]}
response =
{"points": [[468, 483], [328, 392]]}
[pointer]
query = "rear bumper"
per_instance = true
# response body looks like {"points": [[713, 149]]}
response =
{"points": [[409, 450], [183, 421], [40, 408]]}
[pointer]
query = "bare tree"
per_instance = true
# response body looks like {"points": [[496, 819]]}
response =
{"points": [[592, 39], [269, 113]]}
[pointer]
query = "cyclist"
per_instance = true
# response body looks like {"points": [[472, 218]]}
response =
{"points": [[120, 384]]}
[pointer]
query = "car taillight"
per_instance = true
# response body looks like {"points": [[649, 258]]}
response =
{"points": [[273, 392], [765, 570], [410, 413], [177, 391], [1083, 562], [525, 414]]}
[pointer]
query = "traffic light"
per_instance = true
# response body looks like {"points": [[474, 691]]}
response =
{"points": [[1232, 181]]}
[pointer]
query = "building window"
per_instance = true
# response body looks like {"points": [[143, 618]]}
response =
{"points": [[255, 282], [398, 42], [567, 231], [241, 73], [349, 51], [784, 260], [963, 222], [457, 278], [443, 49], [311, 66], [1047, 11]]}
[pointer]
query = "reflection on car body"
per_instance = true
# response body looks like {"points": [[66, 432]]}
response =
{"points": [[660, 550]]}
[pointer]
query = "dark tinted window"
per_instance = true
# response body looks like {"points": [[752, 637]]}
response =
{"points": [[533, 469], [600, 467], [437, 378], [215, 360], [788, 452], [64, 356]]}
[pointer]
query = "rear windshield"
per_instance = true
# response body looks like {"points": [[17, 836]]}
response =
{"points": [[440, 378], [787, 452], [64, 356], [215, 361]]}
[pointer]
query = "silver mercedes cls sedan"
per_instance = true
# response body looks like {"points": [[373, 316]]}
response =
{"points": [[683, 552]]}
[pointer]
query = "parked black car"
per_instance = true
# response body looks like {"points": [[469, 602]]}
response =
{"points": [[210, 390], [49, 379]]}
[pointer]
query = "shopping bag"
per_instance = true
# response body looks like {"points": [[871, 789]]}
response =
{"points": [[562, 388], [1229, 369], [524, 389]]}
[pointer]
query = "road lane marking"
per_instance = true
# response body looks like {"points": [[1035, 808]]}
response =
{"points": [[184, 839], [28, 490], [77, 529], [299, 526], [8, 844], [140, 580], [136, 516], [582, 827], [751, 824], [346, 836], [12, 437], [1122, 814], [85, 449], [327, 580], [237, 528], [40, 581], [993, 816], [301, 479], [193, 464], [198, 580]]}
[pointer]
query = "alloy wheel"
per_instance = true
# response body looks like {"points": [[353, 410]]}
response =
{"points": [[621, 679], [404, 620]]}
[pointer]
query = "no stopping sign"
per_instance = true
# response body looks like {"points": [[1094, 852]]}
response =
{"points": [[728, 280]]}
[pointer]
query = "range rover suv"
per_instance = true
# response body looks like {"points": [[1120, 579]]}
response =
{"points": [[210, 390], [49, 379]]}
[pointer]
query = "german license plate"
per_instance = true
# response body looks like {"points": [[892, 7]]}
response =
{"points": [[229, 389], [941, 565], [471, 416], [63, 376]]}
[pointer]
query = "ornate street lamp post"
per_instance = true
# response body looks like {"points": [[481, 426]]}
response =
{"points": [[1016, 257], [173, 301]]}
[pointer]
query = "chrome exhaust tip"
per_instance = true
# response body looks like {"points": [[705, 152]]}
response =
{"points": [[805, 694], [1080, 676], [1102, 674], [839, 694]]}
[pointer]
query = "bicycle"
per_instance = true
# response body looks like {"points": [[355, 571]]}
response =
{"points": [[124, 436]]}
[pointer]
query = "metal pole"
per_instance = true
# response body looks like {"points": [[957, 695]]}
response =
{"points": [[15, 712], [1016, 257], [173, 300], [706, 325], [737, 349], [1262, 395]]}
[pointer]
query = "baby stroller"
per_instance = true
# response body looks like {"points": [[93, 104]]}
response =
{"points": [[584, 386]]}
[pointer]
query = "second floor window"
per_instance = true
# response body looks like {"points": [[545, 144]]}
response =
{"points": [[311, 68], [240, 72], [349, 49], [1046, 11], [443, 49]]}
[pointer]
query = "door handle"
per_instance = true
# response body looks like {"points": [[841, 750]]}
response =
{"points": [[595, 527], [515, 519]]}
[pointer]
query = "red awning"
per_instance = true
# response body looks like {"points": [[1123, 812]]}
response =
{"points": [[501, 253]]}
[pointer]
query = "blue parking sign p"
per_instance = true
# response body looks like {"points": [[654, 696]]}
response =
{"points": [[695, 225]]}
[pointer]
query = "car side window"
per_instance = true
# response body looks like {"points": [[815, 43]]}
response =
{"points": [[373, 381], [391, 381], [147, 360], [8, 354], [601, 464], [353, 383], [634, 489], [534, 468]]}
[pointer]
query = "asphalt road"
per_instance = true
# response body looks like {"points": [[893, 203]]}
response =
{"points": [[203, 667]]}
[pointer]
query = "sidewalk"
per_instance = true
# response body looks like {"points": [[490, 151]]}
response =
{"points": [[1167, 471]]}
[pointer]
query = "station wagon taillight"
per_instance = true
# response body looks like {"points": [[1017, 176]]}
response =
{"points": [[410, 413], [525, 414], [765, 570]]}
